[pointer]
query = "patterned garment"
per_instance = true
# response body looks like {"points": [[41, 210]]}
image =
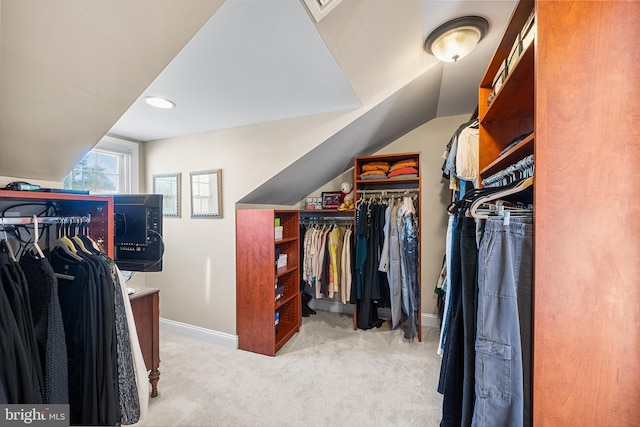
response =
{"points": [[129, 399]]}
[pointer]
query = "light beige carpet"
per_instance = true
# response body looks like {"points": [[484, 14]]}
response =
{"points": [[327, 375]]}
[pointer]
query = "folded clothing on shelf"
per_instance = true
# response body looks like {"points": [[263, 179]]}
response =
{"points": [[374, 170], [405, 172], [412, 163], [376, 174], [376, 166]]}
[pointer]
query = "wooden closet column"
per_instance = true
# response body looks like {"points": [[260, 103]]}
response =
{"points": [[576, 86]]}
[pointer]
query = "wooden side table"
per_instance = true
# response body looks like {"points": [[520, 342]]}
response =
{"points": [[146, 312]]}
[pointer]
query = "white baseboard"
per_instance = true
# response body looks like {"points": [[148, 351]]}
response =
{"points": [[231, 341], [428, 320], [331, 306], [207, 335]]}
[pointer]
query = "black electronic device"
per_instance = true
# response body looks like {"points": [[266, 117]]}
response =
{"points": [[138, 232]]}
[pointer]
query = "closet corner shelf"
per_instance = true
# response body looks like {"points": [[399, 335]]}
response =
{"points": [[519, 152], [514, 100]]}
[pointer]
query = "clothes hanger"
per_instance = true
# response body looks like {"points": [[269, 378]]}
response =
{"points": [[4, 241], [526, 183], [87, 237], [65, 244], [36, 231], [77, 241]]}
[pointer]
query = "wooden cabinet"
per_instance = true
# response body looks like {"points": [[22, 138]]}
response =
{"points": [[577, 88], [390, 187], [257, 278], [145, 305]]}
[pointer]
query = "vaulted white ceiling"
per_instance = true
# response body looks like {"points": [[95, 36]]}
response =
{"points": [[72, 71]]}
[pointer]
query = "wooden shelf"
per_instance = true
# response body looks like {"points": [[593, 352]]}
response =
{"points": [[514, 100], [284, 300], [283, 271], [388, 180], [516, 23], [285, 332], [519, 152], [285, 240]]}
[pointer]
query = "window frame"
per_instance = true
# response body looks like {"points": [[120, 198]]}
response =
{"points": [[129, 162]]}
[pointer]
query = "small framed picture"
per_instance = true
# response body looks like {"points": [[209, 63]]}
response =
{"points": [[331, 199], [168, 185], [206, 194]]}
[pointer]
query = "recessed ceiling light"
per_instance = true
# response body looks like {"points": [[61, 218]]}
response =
{"points": [[156, 101]]}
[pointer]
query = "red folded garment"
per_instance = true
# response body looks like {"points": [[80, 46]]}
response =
{"points": [[403, 171]]}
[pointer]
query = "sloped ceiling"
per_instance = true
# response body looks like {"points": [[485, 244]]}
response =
{"points": [[72, 70]]}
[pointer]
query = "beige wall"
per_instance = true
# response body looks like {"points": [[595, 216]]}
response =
{"points": [[197, 283]]}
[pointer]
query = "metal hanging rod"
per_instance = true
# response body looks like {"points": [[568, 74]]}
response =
{"points": [[326, 218], [23, 220], [522, 169], [392, 191]]}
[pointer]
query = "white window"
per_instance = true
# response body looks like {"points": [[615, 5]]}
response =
{"points": [[110, 168]]}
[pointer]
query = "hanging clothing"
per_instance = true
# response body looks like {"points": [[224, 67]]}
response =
{"points": [[67, 332], [504, 337], [486, 328], [15, 370], [409, 266], [467, 154], [48, 326], [16, 294], [367, 307], [394, 275], [346, 277], [387, 262], [446, 286], [326, 256], [336, 241], [141, 379], [104, 387], [452, 367]]}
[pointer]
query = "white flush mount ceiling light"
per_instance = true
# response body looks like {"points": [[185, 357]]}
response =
{"points": [[455, 39], [156, 101]]}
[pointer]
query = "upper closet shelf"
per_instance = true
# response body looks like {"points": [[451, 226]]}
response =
{"points": [[514, 100]]}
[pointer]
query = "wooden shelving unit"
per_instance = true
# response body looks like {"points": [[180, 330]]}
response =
{"points": [[511, 111], [256, 277], [395, 183]]}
